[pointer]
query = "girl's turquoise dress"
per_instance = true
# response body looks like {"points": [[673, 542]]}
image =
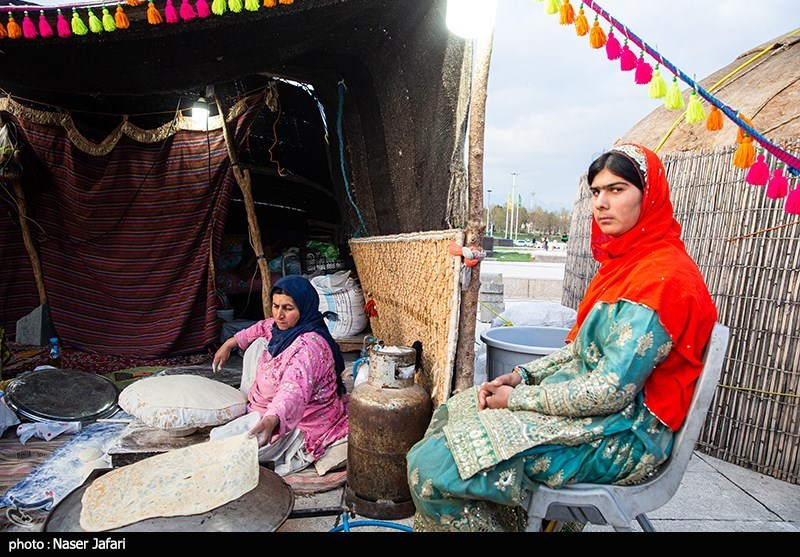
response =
{"points": [[580, 418]]}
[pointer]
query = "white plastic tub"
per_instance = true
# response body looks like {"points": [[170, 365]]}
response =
{"points": [[507, 347]]}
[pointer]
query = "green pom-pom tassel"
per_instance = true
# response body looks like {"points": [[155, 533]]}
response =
{"points": [[658, 87], [252, 5], [219, 7], [108, 21], [674, 99], [695, 112], [235, 6], [95, 25], [77, 24]]}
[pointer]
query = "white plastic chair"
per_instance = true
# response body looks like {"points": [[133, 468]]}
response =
{"points": [[618, 505]]}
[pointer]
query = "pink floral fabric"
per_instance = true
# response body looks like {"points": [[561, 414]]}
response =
{"points": [[298, 386]]}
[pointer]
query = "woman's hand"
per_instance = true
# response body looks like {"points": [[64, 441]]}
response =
{"points": [[494, 394], [223, 353], [264, 428]]}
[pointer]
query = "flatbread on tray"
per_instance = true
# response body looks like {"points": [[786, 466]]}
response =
{"points": [[181, 482]]}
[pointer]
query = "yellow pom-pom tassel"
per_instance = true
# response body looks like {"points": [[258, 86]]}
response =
{"points": [[695, 112], [714, 121], [658, 87], [597, 37], [674, 99], [581, 23], [235, 6], [566, 14], [551, 7], [745, 154], [153, 15]]}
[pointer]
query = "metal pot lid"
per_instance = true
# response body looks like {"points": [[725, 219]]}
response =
{"points": [[62, 395], [262, 509]]}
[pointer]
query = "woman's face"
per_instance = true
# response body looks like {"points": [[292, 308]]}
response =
{"points": [[284, 311], [616, 203]]}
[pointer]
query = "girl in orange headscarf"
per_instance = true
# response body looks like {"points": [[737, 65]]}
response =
{"points": [[604, 408]]}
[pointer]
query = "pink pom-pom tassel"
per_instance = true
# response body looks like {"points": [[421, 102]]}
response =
{"points": [[644, 71], [793, 201], [202, 8], [187, 11], [45, 30], [63, 26], [627, 59], [170, 13], [613, 48], [758, 175], [778, 186], [28, 27]]}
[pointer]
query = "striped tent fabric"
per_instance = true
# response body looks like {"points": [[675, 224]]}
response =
{"points": [[128, 239]]}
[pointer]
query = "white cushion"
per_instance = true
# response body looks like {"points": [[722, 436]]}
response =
{"points": [[179, 402]]}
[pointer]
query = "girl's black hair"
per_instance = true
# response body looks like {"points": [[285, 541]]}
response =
{"points": [[620, 165]]}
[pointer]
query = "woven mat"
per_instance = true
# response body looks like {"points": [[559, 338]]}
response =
{"points": [[308, 481]]}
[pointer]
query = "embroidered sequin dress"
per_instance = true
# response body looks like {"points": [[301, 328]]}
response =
{"points": [[581, 418]]}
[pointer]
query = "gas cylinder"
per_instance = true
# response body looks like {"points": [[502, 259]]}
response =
{"points": [[389, 413]]}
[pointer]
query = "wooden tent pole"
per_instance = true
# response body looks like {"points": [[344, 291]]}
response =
{"points": [[243, 179], [26, 237]]}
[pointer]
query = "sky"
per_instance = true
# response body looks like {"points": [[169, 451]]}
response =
{"points": [[554, 103]]}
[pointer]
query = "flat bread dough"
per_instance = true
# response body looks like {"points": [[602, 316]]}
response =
{"points": [[181, 482]]}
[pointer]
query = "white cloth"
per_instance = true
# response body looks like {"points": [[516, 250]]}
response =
{"points": [[287, 454], [250, 363]]}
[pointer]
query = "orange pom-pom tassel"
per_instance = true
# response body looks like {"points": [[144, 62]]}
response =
{"points": [[135, 3], [13, 28], [3, 32], [287, 2], [581, 23], [270, 3], [566, 13], [153, 15], [714, 120], [741, 134], [121, 18], [745, 154], [597, 37]]}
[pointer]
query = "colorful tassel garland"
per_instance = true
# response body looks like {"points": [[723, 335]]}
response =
{"points": [[566, 13], [270, 3], [581, 23], [714, 121], [793, 201], [187, 12], [235, 6], [202, 9], [13, 28], [597, 37], [673, 99], [644, 71], [695, 113], [62, 25], [745, 154], [551, 7], [77, 24], [170, 13], [219, 7], [758, 175], [28, 28], [153, 15], [613, 48], [627, 59], [658, 87], [778, 186], [109, 24], [45, 29]]}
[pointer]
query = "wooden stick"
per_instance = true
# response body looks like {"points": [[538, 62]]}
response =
{"points": [[243, 179], [26, 237]]}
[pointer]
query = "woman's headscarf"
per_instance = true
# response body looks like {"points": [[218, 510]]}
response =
{"points": [[649, 265], [306, 300]]}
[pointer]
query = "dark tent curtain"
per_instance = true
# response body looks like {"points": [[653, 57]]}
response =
{"points": [[129, 236]]}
